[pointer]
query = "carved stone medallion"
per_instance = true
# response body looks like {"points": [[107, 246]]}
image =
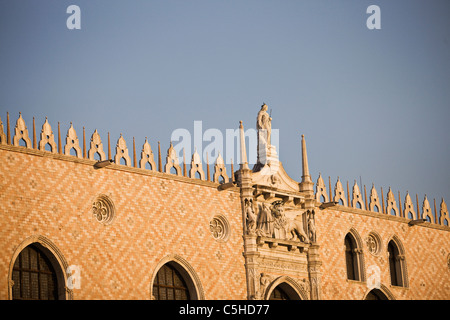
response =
{"points": [[219, 228], [103, 209]]}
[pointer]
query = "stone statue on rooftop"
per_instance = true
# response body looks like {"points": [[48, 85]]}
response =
{"points": [[264, 125]]}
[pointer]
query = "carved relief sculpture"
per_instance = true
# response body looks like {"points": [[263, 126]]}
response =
{"points": [[265, 221], [311, 226], [250, 216], [273, 222]]}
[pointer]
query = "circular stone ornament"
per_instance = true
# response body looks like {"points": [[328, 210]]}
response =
{"points": [[219, 228], [103, 209]]}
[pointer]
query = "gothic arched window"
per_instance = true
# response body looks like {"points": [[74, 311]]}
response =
{"points": [[34, 276], [170, 285], [396, 265], [353, 258]]}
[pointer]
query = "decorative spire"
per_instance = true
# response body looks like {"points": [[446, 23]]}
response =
{"points": [[208, 176], [59, 140], [109, 147], [84, 143], [435, 211], [184, 163], [365, 198], [244, 163], [329, 185], [348, 195], [306, 184], [2, 134], [134, 154], [418, 210], [159, 158], [8, 133], [232, 170], [34, 135], [305, 177]]}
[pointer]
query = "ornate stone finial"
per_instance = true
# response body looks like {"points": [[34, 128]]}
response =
{"points": [[391, 204], [321, 189], [20, 132], [96, 147], [47, 137], [409, 207], [72, 142], [339, 193], [196, 166], [172, 161], [220, 170], [357, 197], [122, 152], [426, 210], [147, 156]]}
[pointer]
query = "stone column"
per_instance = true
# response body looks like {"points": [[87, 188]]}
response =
{"points": [[314, 264]]}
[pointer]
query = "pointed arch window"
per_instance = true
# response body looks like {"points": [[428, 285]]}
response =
{"points": [[353, 259], [397, 265], [34, 276], [170, 285]]}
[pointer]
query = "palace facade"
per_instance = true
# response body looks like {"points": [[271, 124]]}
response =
{"points": [[78, 224]]}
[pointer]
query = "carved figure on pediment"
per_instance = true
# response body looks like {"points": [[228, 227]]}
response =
{"points": [[250, 216]]}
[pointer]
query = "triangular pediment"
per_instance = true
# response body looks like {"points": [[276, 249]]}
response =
{"points": [[274, 176]]}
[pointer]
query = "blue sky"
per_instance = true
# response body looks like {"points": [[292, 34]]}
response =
{"points": [[371, 103]]}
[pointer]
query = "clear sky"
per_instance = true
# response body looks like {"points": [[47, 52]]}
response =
{"points": [[373, 104]]}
